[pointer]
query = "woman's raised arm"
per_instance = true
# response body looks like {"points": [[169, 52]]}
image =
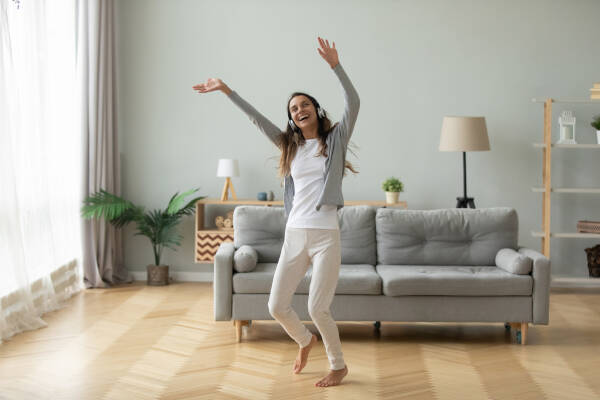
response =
{"points": [[351, 99], [267, 127]]}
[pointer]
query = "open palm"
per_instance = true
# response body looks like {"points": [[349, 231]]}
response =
{"points": [[328, 53], [211, 85]]}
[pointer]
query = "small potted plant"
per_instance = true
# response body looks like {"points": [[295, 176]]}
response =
{"points": [[392, 187], [157, 225], [596, 124]]}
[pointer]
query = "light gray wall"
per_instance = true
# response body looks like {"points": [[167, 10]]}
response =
{"points": [[412, 62]]}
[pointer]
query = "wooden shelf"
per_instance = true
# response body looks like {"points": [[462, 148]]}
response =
{"points": [[569, 235], [568, 146], [567, 190], [547, 147], [241, 201], [572, 100], [402, 204]]}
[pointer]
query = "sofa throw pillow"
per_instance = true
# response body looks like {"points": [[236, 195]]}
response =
{"points": [[245, 259], [513, 262]]}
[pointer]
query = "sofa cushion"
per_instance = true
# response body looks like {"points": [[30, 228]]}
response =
{"points": [[444, 237], [514, 262], [261, 227], [245, 259], [357, 234], [437, 280], [353, 279]]}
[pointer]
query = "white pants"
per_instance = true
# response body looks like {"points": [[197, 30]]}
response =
{"points": [[300, 246]]}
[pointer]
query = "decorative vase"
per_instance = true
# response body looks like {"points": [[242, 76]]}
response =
{"points": [[598, 137], [593, 259], [270, 196], [391, 197], [158, 275], [262, 196]]}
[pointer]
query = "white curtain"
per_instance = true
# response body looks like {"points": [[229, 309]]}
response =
{"points": [[102, 244], [40, 162]]}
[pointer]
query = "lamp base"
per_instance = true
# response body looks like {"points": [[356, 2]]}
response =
{"points": [[465, 202], [225, 194]]}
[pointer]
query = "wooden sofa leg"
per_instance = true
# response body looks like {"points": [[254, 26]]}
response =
{"points": [[524, 326], [521, 328], [238, 328]]}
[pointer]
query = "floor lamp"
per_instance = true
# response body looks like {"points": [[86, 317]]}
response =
{"points": [[464, 134]]}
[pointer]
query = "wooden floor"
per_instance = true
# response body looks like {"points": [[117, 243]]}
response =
{"points": [[146, 342]]}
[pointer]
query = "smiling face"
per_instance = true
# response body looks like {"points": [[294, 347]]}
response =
{"points": [[303, 112]]}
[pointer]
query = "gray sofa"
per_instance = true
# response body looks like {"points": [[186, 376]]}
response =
{"points": [[397, 265]]}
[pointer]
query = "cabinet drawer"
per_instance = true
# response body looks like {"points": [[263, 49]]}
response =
{"points": [[208, 242]]}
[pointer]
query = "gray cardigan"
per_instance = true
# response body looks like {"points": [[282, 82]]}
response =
{"points": [[337, 144]]}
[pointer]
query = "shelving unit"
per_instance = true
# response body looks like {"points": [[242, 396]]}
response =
{"points": [[546, 234], [207, 241]]}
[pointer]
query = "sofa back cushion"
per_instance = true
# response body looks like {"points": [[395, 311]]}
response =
{"points": [[444, 237], [357, 234], [261, 227]]}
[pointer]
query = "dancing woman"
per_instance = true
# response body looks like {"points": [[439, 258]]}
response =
{"points": [[313, 163]]}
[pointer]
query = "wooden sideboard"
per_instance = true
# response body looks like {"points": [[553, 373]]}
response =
{"points": [[207, 241]]}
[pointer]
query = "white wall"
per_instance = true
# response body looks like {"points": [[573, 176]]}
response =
{"points": [[412, 62]]}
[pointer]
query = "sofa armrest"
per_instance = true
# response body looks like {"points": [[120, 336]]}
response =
{"points": [[541, 285], [223, 281]]}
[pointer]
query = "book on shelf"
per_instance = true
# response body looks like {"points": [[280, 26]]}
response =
{"points": [[588, 226]]}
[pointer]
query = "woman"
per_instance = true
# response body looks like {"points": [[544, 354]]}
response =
{"points": [[313, 162]]}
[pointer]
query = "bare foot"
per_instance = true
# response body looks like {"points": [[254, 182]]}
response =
{"points": [[303, 355], [334, 377]]}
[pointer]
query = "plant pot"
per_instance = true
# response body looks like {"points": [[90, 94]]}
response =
{"points": [[391, 197], [158, 275], [598, 137]]}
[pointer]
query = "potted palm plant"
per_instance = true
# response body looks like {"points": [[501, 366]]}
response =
{"points": [[596, 124], [392, 187], [157, 225]]}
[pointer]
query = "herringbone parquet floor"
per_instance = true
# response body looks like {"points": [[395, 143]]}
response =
{"points": [[141, 342]]}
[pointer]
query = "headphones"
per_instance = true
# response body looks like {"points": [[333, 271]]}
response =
{"points": [[320, 113]]}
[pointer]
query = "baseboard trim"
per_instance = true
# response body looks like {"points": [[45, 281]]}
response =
{"points": [[179, 276], [569, 282]]}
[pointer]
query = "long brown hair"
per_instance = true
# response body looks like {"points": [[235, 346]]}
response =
{"points": [[290, 140]]}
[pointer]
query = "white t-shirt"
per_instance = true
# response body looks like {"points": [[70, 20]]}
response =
{"points": [[308, 170]]}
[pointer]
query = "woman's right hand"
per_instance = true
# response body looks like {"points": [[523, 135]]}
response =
{"points": [[211, 85]]}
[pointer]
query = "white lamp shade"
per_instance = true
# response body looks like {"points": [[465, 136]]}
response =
{"points": [[464, 134], [228, 168]]}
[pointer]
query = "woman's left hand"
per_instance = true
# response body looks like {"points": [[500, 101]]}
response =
{"points": [[329, 54]]}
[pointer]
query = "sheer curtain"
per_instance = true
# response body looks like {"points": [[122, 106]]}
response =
{"points": [[40, 162], [102, 245]]}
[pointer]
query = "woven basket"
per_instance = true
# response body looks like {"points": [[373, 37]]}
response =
{"points": [[158, 275], [588, 226]]}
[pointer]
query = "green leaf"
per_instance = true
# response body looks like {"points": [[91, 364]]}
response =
{"points": [[177, 200], [113, 208]]}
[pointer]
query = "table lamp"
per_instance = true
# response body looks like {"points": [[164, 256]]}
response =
{"points": [[464, 134], [228, 168]]}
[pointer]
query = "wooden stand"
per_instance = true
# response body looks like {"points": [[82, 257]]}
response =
{"points": [[547, 190], [546, 234], [228, 185]]}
